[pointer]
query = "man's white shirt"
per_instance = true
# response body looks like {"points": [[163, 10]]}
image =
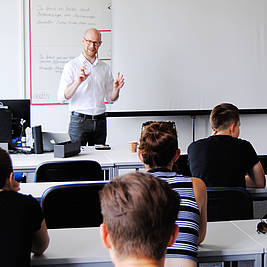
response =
{"points": [[90, 95]]}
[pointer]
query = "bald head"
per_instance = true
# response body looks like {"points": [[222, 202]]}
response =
{"points": [[93, 32]]}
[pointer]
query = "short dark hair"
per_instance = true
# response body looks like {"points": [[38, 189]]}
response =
{"points": [[223, 115], [158, 145], [5, 167], [139, 211]]}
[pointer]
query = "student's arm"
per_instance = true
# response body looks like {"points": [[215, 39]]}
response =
{"points": [[40, 239], [256, 176], [200, 192]]}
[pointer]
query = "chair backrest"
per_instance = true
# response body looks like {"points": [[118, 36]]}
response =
{"points": [[229, 203], [181, 166], [69, 170], [72, 205]]}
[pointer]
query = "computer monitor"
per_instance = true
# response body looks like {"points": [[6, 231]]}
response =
{"points": [[20, 112]]}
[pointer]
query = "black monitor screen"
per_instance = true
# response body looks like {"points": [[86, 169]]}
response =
{"points": [[20, 110]]}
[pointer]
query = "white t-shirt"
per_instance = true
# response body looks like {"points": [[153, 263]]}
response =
{"points": [[90, 95]]}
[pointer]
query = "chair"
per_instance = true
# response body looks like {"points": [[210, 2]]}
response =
{"points": [[229, 203], [72, 205], [69, 170], [181, 166]]}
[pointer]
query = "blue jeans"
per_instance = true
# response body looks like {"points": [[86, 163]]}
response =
{"points": [[87, 130]]}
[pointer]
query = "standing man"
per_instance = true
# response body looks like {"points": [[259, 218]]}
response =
{"points": [[86, 82], [223, 159]]}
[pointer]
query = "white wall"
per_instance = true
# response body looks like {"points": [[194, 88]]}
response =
{"points": [[122, 130], [11, 49], [254, 129]]}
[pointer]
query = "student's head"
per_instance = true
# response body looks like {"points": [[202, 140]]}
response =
{"points": [[158, 144], [91, 42], [6, 172], [224, 116], [139, 213]]}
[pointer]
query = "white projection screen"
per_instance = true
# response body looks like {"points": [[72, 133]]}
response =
{"points": [[190, 54]]}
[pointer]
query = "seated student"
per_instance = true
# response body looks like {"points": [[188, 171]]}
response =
{"points": [[139, 213], [158, 150], [223, 159], [22, 226]]}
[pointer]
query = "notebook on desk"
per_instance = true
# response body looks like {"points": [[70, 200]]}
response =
{"points": [[50, 138]]}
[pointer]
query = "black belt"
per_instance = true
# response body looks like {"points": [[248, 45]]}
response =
{"points": [[90, 117]]}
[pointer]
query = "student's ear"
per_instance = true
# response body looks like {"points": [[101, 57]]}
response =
{"points": [[140, 156], [173, 235], [9, 181], [11, 177], [231, 128], [177, 155], [105, 236]]}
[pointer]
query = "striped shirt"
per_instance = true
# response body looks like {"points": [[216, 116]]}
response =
{"points": [[186, 244]]}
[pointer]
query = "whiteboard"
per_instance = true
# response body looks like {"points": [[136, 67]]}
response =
{"points": [[190, 54], [174, 54], [56, 28]]}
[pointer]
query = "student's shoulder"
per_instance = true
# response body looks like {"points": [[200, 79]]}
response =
{"points": [[29, 199], [19, 198], [242, 141], [199, 143], [246, 148], [202, 141]]}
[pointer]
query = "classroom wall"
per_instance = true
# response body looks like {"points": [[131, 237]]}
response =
{"points": [[11, 47], [120, 130]]}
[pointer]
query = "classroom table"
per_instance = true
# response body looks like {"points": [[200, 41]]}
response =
{"points": [[28, 162], [75, 247], [111, 160], [225, 241], [249, 228], [124, 159], [37, 189]]}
